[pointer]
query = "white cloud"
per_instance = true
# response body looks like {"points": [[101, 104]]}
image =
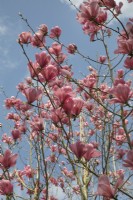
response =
{"points": [[3, 29], [8, 35], [75, 2]]}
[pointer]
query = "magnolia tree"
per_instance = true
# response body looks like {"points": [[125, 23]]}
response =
{"points": [[72, 138]]}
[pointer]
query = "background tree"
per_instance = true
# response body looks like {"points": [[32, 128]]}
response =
{"points": [[75, 133]]}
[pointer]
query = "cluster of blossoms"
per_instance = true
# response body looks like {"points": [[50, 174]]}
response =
{"points": [[77, 132]]}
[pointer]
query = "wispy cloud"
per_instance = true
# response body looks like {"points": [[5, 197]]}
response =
{"points": [[75, 2], [8, 34], [3, 29]]}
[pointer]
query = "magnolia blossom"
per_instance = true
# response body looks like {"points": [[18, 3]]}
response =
{"points": [[104, 188], [49, 73], [42, 59], [38, 39], [78, 148], [87, 151], [43, 29], [8, 159], [102, 59], [129, 63], [91, 152], [55, 49], [16, 134], [129, 160], [71, 48], [32, 94], [125, 46], [6, 188], [121, 93], [55, 32], [25, 38]]}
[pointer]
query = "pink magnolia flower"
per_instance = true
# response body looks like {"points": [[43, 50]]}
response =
{"points": [[68, 105], [34, 69], [130, 1], [88, 11], [55, 32], [102, 59], [55, 49], [129, 63], [29, 172], [6, 188], [7, 139], [129, 160], [91, 152], [37, 124], [78, 148], [42, 59], [8, 159], [16, 134], [122, 93], [38, 39], [58, 115], [104, 188], [49, 73], [71, 48], [125, 46], [77, 106], [62, 94], [108, 3], [121, 153], [43, 29], [32, 94], [25, 38]]}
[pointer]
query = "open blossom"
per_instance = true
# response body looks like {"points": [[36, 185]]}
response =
{"points": [[7, 139], [129, 63], [49, 73], [89, 16], [8, 159], [25, 38], [78, 148], [129, 161], [122, 93], [125, 46], [38, 40], [77, 106], [104, 188], [42, 59], [32, 94], [91, 152], [55, 32], [108, 3], [55, 49], [29, 172], [125, 41], [87, 151], [37, 124], [6, 188]]}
